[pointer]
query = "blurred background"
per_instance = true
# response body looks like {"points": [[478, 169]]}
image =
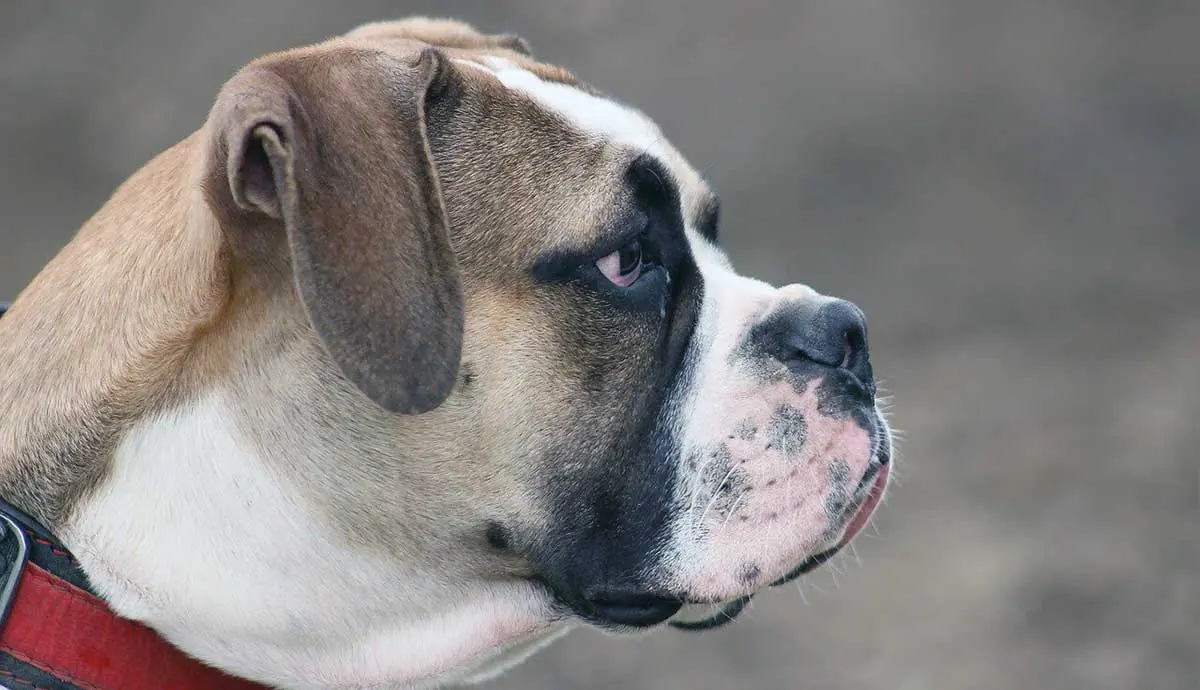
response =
{"points": [[1011, 190]]}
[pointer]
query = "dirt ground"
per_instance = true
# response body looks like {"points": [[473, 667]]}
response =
{"points": [[1009, 189]]}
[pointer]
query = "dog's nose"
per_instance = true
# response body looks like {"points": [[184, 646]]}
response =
{"points": [[633, 609], [833, 334]]}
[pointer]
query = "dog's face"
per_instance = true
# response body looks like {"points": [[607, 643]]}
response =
{"points": [[685, 433], [603, 406]]}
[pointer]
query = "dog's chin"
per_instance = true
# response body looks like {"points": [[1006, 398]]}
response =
{"points": [[700, 615]]}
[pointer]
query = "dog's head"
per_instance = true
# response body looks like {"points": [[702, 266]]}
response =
{"points": [[522, 306]]}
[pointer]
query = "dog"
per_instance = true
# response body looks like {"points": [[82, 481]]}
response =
{"points": [[417, 354]]}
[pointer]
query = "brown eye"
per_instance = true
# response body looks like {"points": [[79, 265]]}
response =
{"points": [[624, 266]]}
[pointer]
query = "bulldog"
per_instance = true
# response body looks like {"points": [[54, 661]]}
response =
{"points": [[417, 354]]}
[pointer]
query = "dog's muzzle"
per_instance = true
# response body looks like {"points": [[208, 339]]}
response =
{"points": [[874, 483]]}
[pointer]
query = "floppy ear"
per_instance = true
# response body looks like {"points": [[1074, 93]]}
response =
{"points": [[333, 148]]}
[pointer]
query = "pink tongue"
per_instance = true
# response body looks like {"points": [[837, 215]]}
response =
{"points": [[868, 507]]}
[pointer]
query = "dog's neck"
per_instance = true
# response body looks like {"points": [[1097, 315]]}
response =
{"points": [[57, 634]]}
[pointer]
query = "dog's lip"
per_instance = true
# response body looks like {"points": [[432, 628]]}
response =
{"points": [[867, 508], [725, 614], [877, 480]]}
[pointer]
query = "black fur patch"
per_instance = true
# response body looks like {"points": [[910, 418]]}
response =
{"points": [[611, 514]]}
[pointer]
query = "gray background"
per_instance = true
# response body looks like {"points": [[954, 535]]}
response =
{"points": [[1008, 188]]}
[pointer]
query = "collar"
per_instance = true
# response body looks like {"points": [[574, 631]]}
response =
{"points": [[57, 634]]}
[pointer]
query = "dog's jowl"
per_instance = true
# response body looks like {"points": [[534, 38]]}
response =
{"points": [[417, 353]]}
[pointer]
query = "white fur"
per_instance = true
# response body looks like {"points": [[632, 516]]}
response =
{"points": [[603, 119], [193, 536], [600, 117]]}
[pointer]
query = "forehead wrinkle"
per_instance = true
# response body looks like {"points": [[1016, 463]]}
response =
{"points": [[603, 118], [616, 127]]}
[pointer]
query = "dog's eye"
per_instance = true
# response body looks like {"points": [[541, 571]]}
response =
{"points": [[624, 266]]}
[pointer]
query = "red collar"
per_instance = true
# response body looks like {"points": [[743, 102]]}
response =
{"points": [[71, 635], [58, 636]]}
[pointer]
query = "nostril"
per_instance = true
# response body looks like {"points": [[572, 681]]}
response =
{"points": [[850, 322], [855, 339]]}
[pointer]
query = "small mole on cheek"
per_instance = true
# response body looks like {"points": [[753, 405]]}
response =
{"points": [[468, 375], [497, 536]]}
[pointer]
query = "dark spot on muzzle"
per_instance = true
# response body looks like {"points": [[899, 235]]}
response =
{"points": [[748, 574], [787, 430], [839, 497], [839, 492], [746, 430]]}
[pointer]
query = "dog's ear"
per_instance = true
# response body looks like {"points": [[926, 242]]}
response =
{"points": [[332, 147], [447, 33]]}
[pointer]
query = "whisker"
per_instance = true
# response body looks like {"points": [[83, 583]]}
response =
{"points": [[733, 509], [803, 596], [716, 491]]}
